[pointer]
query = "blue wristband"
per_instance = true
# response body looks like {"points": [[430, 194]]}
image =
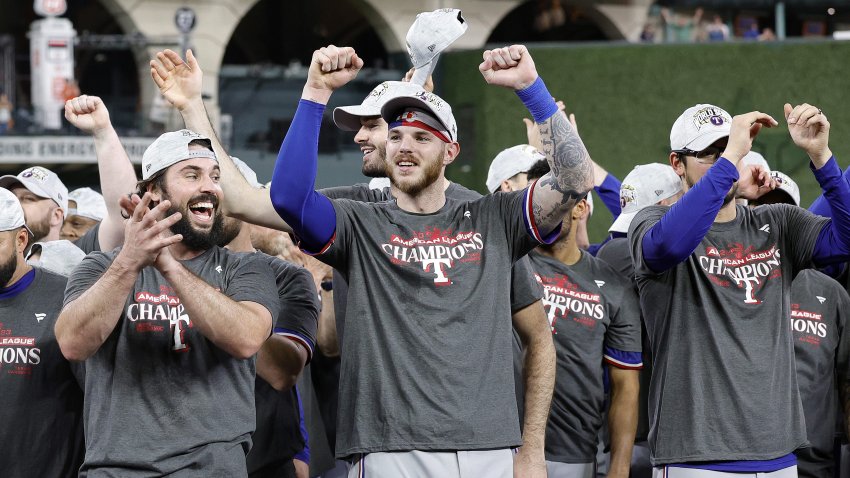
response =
{"points": [[538, 100]]}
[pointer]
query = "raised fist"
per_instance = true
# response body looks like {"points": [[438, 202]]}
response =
{"points": [[332, 67], [511, 67], [88, 113]]}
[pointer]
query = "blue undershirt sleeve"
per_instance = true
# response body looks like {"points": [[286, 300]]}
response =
{"points": [[820, 206], [609, 192], [675, 237], [309, 213], [833, 243]]}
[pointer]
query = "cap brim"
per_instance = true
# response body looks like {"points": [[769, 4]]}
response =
{"points": [[34, 188], [706, 140], [622, 223], [9, 180], [393, 107], [347, 118]]}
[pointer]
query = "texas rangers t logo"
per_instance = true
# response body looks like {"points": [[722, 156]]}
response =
{"points": [[436, 251]]}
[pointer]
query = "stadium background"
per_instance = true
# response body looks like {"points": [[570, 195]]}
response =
{"points": [[625, 93]]}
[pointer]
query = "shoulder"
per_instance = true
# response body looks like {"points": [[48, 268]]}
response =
{"points": [[50, 280], [457, 191]]}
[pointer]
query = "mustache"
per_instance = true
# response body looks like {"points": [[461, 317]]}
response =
{"points": [[204, 198]]}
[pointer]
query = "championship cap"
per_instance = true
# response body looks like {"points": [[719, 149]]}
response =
{"points": [[755, 159], [433, 32], [171, 148], [510, 162], [425, 101], [11, 212], [645, 186], [787, 185], [59, 257], [347, 118], [247, 172], [89, 203], [698, 127], [42, 182]]}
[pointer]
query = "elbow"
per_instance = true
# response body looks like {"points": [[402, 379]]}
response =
{"points": [[247, 349], [284, 382], [72, 351]]}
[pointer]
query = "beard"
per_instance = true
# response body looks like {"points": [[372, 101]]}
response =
{"points": [[229, 230], [430, 174], [377, 168], [8, 268], [196, 239], [563, 236], [40, 229]]}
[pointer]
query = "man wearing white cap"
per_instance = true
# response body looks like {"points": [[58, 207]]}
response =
{"points": [[427, 320], [41, 403], [509, 167], [44, 199], [169, 326], [86, 208], [714, 281]]}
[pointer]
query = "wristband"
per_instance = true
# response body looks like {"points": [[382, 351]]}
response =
{"points": [[538, 100]]}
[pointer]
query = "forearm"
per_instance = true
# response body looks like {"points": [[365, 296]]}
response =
{"points": [[241, 200], [234, 327], [326, 334], [833, 244], [280, 361], [117, 179], [85, 323], [292, 193], [571, 175], [622, 422], [539, 381], [609, 191], [685, 224]]}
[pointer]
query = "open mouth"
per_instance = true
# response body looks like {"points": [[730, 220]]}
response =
{"points": [[202, 210]]}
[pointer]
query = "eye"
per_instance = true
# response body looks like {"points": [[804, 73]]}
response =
{"points": [[191, 176]]}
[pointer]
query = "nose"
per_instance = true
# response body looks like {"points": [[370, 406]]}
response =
{"points": [[405, 145], [209, 186], [362, 135]]}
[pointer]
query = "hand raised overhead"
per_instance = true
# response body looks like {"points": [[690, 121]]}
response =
{"points": [[809, 130], [178, 81], [511, 67]]}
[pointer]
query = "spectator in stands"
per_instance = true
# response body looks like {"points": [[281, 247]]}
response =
{"points": [[6, 108], [717, 30], [648, 33], [681, 28], [752, 33]]}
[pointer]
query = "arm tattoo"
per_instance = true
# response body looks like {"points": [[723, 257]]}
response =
{"points": [[571, 176]]}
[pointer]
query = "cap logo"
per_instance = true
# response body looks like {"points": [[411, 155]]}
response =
{"points": [[380, 90], [36, 173], [628, 195], [431, 47], [707, 115], [659, 192], [148, 167]]}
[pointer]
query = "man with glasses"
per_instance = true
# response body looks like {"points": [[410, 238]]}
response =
{"points": [[714, 281]]}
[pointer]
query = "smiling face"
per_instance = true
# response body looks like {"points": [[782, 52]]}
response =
{"points": [[193, 188], [42, 214], [372, 139], [416, 158]]}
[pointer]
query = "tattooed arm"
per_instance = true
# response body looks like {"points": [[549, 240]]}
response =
{"points": [[571, 176]]}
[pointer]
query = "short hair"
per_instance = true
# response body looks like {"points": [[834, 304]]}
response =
{"points": [[538, 170]]}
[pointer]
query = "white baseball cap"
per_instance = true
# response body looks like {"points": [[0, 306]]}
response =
{"points": [[11, 212], [379, 183], [788, 185], [247, 172], [89, 202], [347, 118], [171, 148], [646, 185], [755, 159], [60, 257], [426, 101], [433, 32], [698, 127], [42, 182], [510, 162]]}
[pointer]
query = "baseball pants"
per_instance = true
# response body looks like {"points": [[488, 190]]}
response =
{"points": [[674, 472], [557, 469], [424, 464]]}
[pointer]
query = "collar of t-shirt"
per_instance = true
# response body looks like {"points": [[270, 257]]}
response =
{"points": [[18, 287]]}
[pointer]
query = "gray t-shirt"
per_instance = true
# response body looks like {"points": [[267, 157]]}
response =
{"points": [[427, 356], [41, 402], [616, 254], [723, 385], [160, 397], [591, 310], [524, 289], [819, 320], [278, 435]]}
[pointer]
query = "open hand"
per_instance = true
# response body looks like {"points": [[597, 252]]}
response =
{"points": [[743, 131], [809, 130], [146, 233], [754, 181], [179, 82]]}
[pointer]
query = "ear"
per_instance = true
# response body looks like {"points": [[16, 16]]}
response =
{"points": [[156, 193], [57, 217], [452, 151], [678, 164], [22, 240], [580, 210], [506, 186]]}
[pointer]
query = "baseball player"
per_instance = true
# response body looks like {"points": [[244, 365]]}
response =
{"points": [[86, 209], [41, 403], [595, 318], [168, 326], [715, 281]]}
